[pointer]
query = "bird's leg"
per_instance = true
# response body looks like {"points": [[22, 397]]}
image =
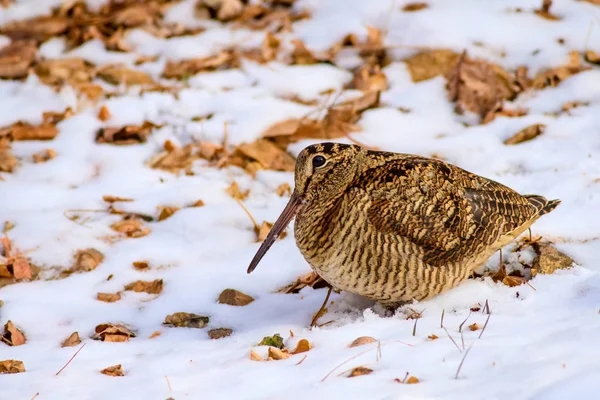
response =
{"points": [[321, 311]]}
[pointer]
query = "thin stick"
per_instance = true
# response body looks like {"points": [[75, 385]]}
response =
{"points": [[378, 350], [529, 229], [301, 361], [256, 227], [35, 395], [415, 327], [486, 307], [462, 361], [168, 384], [484, 325], [466, 319], [71, 359], [442, 319], [347, 361], [451, 338], [316, 317], [462, 339]]}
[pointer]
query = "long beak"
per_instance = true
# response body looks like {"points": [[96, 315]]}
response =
{"points": [[279, 226]]}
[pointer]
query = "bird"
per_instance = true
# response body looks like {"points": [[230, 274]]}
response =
{"points": [[397, 228]]}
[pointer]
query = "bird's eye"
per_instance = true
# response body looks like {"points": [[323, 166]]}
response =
{"points": [[318, 161]]}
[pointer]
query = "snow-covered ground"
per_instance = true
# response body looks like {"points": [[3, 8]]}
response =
{"points": [[541, 340]]}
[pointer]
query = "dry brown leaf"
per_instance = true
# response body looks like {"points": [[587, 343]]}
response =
{"points": [[529, 133], [219, 333], [113, 333], [43, 156], [311, 279], [11, 367], [72, 340], [234, 297], [104, 114], [360, 341], [21, 268], [286, 127], [592, 57], [283, 189], [186, 320], [166, 212], [198, 203], [59, 71], [552, 77], [91, 91], [115, 370], [412, 380], [302, 346], [113, 199], [433, 337], [26, 131], [130, 134], [264, 230], [109, 297], [474, 327], [276, 354], [187, 68], [8, 161], [414, 7], [478, 86], [132, 228], [39, 28], [548, 259], [150, 287], [12, 336], [301, 55], [141, 265], [234, 191], [16, 59], [87, 260], [155, 334], [254, 356], [176, 159], [358, 371], [270, 46], [210, 151], [429, 64], [499, 111], [513, 281], [267, 154], [117, 75], [369, 78], [544, 11]]}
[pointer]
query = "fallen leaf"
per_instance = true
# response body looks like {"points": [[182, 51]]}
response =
{"points": [[219, 333], [72, 340], [16, 59], [117, 75], [254, 356], [269, 47], [512, 281], [155, 334], [311, 279], [114, 199], [283, 189], [166, 212], [26, 131], [360, 341], [65, 70], [474, 327], [43, 156], [175, 159], [210, 151], [198, 203], [8, 161], [91, 91], [273, 341], [548, 259], [21, 268], [187, 68], [109, 297], [544, 11], [130, 134], [104, 114], [87, 260], [11, 367], [234, 297], [267, 154], [429, 64], [131, 228], [12, 336], [276, 354], [186, 320], [113, 333], [285, 127], [38, 28], [591, 57], [369, 78], [141, 265], [301, 55], [234, 191], [302, 346], [553, 76], [499, 111], [412, 380], [115, 370], [414, 7], [150, 287], [525, 134], [358, 371]]}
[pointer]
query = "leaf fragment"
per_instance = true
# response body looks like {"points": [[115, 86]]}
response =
{"points": [[126, 135], [277, 354], [234, 297], [141, 265], [113, 333], [43, 155], [234, 191], [150, 287], [117, 75], [432, 337], [411, 7], [12, 336], [254, 356], [526, 134], [219, 333], [429, 64], [283, 189], [186, 320], [166, 212], [548, 259], [358, 371], [362, 340], [108, 297], [11, 367], [87, 260], [25, 131], [104, 114], [302, 346], [115, 370], [72, 340], [16, 59], [132, 228], [474, 327]]}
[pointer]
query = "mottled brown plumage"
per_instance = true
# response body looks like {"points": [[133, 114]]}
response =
{"points": [[397, 227]]}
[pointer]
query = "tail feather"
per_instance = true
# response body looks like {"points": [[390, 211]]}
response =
{"points": [[543, 205]]}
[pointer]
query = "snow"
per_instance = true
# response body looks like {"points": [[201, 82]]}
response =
{"points": [[540, 341]]}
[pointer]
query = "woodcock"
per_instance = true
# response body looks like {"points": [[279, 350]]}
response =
{"points": [[397, 227]]}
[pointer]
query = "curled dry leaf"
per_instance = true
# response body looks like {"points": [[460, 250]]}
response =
{"points": [[155, 334], [433, 337], [87, 260], [186, 320], [591, 57], [16, 59], [8, 161], [548, 259], [117, 75], [358, 371], [114, 199], [113, 333], [369, 78], [72, 340], [132, 228], [474, 327], [26, 131], [412, 380], [429, 64], [234, 191], [115, 370], [499, 111], [174, 159], [302, 346], [166, 212], [12, 336], [553, 76], [65, 70], [43, 156], [360, 341], [277, 354], [109, 297], [150, 287], [544, 11], [38, 29], [130, 134], [512, 281], [198, 203], [11, 367], [254, 356], [525, 134], [141, 265], [410, 7], [184, 69], [264, 152], [234, 297], [273, 341], [219, 333], [311, 279]]}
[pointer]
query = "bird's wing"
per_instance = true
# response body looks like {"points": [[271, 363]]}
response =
{"points": [[448, 213]]}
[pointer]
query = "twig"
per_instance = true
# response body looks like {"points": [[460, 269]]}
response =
{"points": [[301, 361], [466, 319], [168, 384], [462, 340], [347, 361], [451, 338], [415, 327], [71, 359], [405, 377], [256, 227], [486, 307], [35, 395], [484, 325], [350, 369], [442, 319], [462, 361]]}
